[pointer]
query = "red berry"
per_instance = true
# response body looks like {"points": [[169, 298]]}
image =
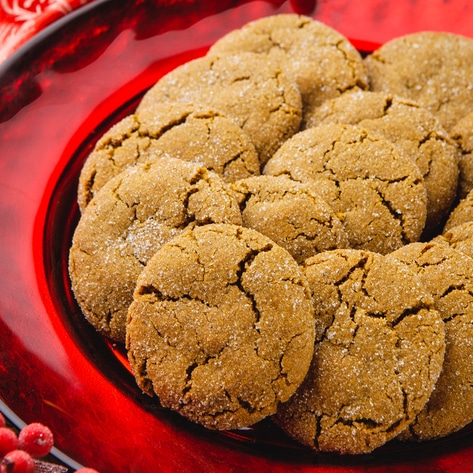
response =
{"points": [[8, 440], [18, 461], [87, 470], [3, 422], [36, 439]]}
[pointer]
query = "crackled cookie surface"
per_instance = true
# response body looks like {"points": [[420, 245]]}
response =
{"points": [[377, 192], [180, 130], [462, 133], [291, 213], [133, 215], [414, 129], [322, 61], [459, 237], [378, 353], [448, 275], [434, 69], [221, 328], [461, 213], [245, 86]]}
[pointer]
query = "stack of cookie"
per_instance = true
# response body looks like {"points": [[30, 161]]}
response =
{"points": [[271, 234]]}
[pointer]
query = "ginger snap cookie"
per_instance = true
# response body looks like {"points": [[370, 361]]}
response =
{"points": [[459, 237], [221, 328], [291, 213], [448, 275], [132, 216], [461, 213], [462, 133], [180, 130], [377, 356], [414, 129], [377, 192], [246, 87], [322, 61], [434, 69]]}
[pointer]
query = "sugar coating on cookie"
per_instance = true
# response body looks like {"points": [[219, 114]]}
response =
{"points": [[255, 92], [435, 69], [414, 129], [459, 237], [322, 61], [377, 192], [461, 213], [378, 353], [132, 216], [180, 130], [462, 133], [448, 275], [221, 328], [291, 213]]}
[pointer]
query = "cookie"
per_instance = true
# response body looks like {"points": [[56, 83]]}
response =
{"points": [[414, 129], [132, 216], [462, 133], [461, 213], [459, 237], [448, 275], [378, 353], [377, 192], [323, 62], [179, 130], [434, 69], [291, 213], [221, 328], [253, 91]]}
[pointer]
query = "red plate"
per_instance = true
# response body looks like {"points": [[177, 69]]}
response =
{"points": [[58, 94]]}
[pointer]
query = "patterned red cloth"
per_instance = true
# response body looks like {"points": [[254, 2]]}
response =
{"points": [[21, 19]]}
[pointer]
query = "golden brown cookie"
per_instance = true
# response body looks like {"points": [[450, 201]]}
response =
{"points": [[180, 130], [462, 133], [131, 216], [322, 61], [434, 69], [255, 92], [378, 353], [221, 328], [377, 192], [459, 237], [461, 213], [448, 275], [291, 213], [414, 129]]}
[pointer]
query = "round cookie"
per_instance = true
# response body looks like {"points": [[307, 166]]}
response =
{"points": [[414, 129], [221, 328], [291, 213], [132, 216], [253, 91], [462, 213], [377, 192], [462, 133], [459, 237], [434, 69], [180, 130], [448, 275], [323, 62], [378, 353]]}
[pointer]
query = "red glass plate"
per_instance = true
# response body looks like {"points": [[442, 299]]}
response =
{"points": [[58, 94]]}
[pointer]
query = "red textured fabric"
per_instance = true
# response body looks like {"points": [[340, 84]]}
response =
{"points": [[22, 19]]}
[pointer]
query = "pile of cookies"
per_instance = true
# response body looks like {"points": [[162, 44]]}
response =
{"points": [[284, 228]]}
